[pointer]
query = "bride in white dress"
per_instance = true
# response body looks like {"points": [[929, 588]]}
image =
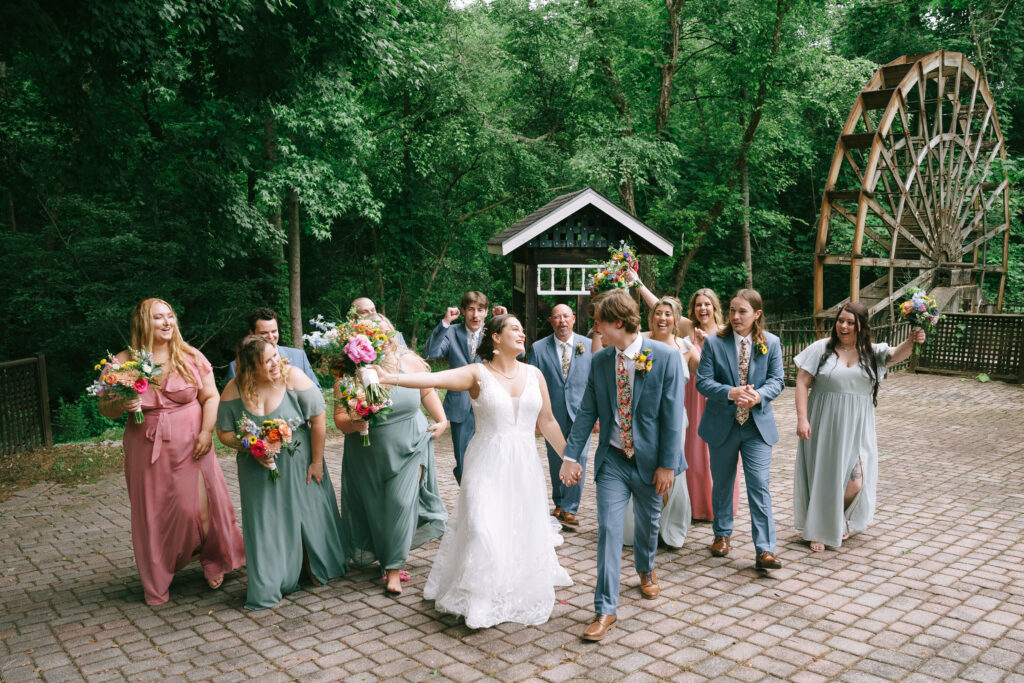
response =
{"points": [[497, 561]]}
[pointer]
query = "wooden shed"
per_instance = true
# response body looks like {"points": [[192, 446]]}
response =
{"points": [[553, 250]]}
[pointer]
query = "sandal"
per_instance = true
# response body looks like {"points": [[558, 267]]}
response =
{"points": [[817, 547]]}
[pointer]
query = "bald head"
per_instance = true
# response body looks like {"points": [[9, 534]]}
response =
{"points": [[562, 320], [364, 307]]}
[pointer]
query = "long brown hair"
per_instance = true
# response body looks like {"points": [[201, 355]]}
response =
{"points": [[248, 360], [752, 297], [143, 335], [716, 306], [865, 352]]}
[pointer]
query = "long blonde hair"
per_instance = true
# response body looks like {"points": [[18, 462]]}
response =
{"points": [[143, 335], [674, 305], [248, 360], [716, 306]]}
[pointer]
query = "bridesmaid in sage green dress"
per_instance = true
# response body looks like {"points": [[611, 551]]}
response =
{"points": [[836, 470], [390, 502], [292, 524]]}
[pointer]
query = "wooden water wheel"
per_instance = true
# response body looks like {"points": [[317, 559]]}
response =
{"points": [[917, 194]]}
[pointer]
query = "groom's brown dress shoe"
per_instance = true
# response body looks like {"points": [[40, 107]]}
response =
{"points": [[649, 585], [601, 626], [569, 521], [720, 548], [557, 512], [767, 560]]}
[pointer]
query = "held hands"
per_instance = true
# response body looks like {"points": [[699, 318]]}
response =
{"points": [[437, 429], [570, 473], [315, 472], [663, 478], [803, 428], [745, 396], [499, 310], [450, 315], [204, 441]]}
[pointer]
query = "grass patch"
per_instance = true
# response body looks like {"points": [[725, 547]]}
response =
{"points": [[67, 463]]}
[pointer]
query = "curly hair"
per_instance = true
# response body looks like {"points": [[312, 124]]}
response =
{"points": [[248, 361], [177, 348]]}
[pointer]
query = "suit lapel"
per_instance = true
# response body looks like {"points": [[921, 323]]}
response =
{"points": [[462, 333], [553, 346], [733, 361], [639, 381]]}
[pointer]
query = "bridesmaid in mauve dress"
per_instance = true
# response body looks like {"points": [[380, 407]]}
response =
{"points": [[706, 313], [179, 500], [293, 524]]}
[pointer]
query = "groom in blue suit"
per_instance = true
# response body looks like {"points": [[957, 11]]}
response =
{"points": [[564, 360], [740, 373], [636, 389], [457, 343]]}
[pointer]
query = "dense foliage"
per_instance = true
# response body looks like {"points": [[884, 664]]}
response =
{"points": [[226, 155]]}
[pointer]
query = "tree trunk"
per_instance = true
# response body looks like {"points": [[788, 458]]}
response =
{"points": [[747, 261], [668, 68], [294, 261], [278, 263], [708, 220]]}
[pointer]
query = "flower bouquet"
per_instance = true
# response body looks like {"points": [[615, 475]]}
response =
{"points": [[266, 440], [612, 274], [126, 380], [920, 310], [359, 407], [347, 350]]}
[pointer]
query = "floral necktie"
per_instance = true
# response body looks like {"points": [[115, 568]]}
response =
{"points": [[743, 413], [474, 344], [565, 360], [625, 395]]}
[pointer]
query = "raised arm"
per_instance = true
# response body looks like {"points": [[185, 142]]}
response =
{"points": [[902, 352]]}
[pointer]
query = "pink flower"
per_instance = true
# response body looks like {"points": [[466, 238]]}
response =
{"points": [[360, 350], [257, 449], [141, 384]]}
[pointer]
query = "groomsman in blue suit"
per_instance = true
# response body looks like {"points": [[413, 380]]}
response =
{"points": [[458, 342], [636, 390], [263, 322], [741, 372], [564, 360]]}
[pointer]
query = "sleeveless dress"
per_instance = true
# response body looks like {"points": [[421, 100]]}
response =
{"points": [[698, 459], [163, 488], [281, 520], [676, 516], [497, 561], [842, 421], [387, 507]]}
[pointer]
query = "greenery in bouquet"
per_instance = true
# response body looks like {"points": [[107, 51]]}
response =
{"points": [[613, 272]]}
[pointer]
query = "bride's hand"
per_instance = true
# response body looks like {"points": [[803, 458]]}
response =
{"points": [[383, 376]]}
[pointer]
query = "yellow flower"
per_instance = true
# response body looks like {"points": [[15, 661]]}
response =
{"points": [[762, 348], [650, 363], [97, 367]]}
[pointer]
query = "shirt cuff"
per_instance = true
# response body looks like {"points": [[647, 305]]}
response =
{"points": [[445, 325], [568, 459]]}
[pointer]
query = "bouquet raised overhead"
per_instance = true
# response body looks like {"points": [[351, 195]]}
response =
{"points": [[920, 310], [612, 274], [126, 380], [346, 350]]}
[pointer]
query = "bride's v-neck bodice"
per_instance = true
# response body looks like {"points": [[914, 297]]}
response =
{"points": [[496, 413]]}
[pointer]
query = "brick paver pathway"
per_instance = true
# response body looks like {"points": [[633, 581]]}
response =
{"points": [[934, 590]]}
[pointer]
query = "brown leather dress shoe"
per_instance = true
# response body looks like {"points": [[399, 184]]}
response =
{"points": [[601, 626], [649, 585], [767, 560], [569, 521], [720, 548], [557, 512]]}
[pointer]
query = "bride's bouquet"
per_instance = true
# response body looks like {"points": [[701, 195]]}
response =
{"points": [[920, 310], [126, 380], [613, 272], [347, 350]]}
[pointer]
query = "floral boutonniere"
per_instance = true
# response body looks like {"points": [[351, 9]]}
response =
{"points": [[580, 349], [644, 362], [762, 348]]}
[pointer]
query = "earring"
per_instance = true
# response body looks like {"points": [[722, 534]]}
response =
{"points": [[496, 352]]}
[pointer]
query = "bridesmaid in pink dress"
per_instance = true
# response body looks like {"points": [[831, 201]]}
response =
{"points": [[180, 505], [706, 313]]}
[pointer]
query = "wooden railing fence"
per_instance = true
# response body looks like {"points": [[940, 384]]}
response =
{"points": [[24, 405]]}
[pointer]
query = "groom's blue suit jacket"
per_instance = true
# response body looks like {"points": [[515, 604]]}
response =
{"points": [[657, 411]]}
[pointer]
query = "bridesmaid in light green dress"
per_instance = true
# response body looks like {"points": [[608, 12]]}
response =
{"points": [[292, 524], [836, 470], [390, 501]]}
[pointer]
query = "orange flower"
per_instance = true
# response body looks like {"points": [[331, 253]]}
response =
{"points": [[110, 379], [274, 435], [286, 431]]}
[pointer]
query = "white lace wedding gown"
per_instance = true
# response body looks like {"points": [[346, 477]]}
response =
{"points": [[497, 561]]}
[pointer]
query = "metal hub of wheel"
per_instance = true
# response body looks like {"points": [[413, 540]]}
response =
{"points": [[917, 194]]}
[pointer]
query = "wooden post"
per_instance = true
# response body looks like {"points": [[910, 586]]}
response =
{"points": [[531, 301], [44, 400]]}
